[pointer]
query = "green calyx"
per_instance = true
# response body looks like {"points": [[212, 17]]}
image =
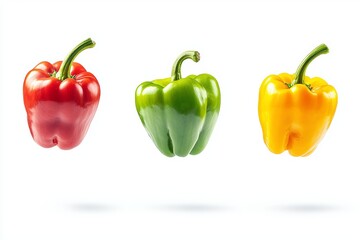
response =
{"points": [[64, 71], [300, 72], [176, 70]]}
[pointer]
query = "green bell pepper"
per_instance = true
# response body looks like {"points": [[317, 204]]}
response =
{"points": [[178, 113]]}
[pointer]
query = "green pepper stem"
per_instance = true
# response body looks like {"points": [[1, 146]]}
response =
{"points": [[176, 70], [64, 71], [300, 72]]}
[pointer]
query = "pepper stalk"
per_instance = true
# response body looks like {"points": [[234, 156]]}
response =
{"points": [[64, 71], [300, 72], [176, 70]]}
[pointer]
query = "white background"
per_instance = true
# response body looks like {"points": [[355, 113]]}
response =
{"points": [[117, 185]]}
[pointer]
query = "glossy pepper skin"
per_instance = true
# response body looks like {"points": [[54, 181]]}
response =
{"points": [[61, 100], [295, 111], [178, 113]]}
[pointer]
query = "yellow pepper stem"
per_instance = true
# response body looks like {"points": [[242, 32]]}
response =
{"points": [[300, 72]]}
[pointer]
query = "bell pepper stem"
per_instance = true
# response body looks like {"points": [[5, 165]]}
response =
{"points": [[176, 70], [300, 72], [64, 71]]}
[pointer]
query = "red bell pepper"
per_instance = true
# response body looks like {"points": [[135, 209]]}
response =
{"points": [[61, 100]]}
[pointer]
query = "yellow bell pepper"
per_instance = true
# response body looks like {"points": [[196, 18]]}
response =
{"points": [[294, 110]]}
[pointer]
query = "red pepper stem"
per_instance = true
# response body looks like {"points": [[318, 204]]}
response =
{"points": [[176, 70], [300, 72], [64, 71]]}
